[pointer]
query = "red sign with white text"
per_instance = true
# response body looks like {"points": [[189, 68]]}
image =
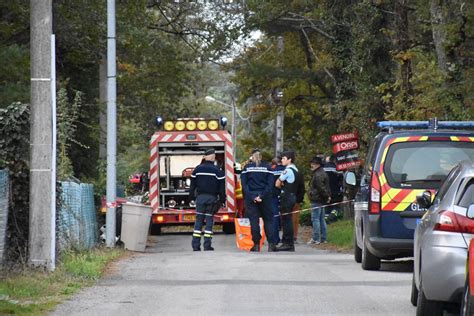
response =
{"points": [[347, 165], [343, 146], [349, 145], [344, 137]]}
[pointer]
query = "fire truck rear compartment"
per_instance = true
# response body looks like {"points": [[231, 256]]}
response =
{"points": [[177, 161]]}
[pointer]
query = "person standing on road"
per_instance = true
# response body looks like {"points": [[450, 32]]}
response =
{"points": [[287, 183], [257, 183], [208, 185], [300, 192], [335, 183], [277, 169], [319, 194]]}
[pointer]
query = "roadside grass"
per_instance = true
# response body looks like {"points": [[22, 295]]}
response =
{"points": [[36, 292], [340, 234]]}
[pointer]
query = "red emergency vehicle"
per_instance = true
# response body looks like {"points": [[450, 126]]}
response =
{"points": [[174, 153]]}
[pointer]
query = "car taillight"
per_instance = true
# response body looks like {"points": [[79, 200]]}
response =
{"points": [[451, 222], [374, 194]]}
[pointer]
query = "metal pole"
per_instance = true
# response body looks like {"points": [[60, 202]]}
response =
{"points": [[111, 125], [281, 110], [53, 152], [41, 232], [279, 131], [234, 129]]}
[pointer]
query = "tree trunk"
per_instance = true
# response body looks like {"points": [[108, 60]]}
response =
{"points": [[403, 43], [438, 26]]}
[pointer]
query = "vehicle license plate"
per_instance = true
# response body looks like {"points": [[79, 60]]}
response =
{"points": [[190, 218]]}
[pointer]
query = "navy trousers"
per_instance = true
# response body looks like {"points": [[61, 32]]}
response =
{"points": [[205, 217], [264, 210], [287, 201]]}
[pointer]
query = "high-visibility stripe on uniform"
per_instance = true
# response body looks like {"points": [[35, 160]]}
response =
{"points": [[207, 174]]}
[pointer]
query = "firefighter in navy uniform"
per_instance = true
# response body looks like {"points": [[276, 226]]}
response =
{"points": [[208, 185], [257, 184]]}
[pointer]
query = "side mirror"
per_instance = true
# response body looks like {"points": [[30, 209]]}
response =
{"points": [[470, 211], [350, 179], [424, 199]]}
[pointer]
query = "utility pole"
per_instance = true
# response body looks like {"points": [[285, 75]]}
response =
{"points": [[103, 110], [42, 216], [234, 129], [111, 125], [279, 121]]}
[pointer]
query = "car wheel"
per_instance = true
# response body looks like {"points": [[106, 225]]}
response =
{"points": [[228, 228], [466, 304], [414, 291], [357, 250], [426, 307], [369, 261], [155, 229]]}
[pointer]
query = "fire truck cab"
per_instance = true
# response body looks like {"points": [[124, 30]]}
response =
{"points": [[174, 153]]}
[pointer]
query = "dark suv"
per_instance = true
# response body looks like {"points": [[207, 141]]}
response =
{"points": [[404, 160]]}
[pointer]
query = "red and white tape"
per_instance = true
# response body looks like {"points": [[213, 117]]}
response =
{"points": [[312, 208]]}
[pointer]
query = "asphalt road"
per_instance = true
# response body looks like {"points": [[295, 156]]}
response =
{"points": [[170, 279]]}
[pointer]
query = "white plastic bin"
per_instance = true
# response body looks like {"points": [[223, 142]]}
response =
{"points": [[135, 223]]}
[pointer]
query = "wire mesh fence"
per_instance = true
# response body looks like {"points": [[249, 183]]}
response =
{"points": [[4, 198], [77, 222]]}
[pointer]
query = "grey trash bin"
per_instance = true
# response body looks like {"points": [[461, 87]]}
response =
{"points": [[135, 223]]}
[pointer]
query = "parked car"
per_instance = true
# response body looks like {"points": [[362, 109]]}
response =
{"points": [[404, 160], [467, 305], [441, 241]]}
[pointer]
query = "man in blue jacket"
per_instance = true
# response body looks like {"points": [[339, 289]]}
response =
{"points": [[257, 185], [208, 185]]}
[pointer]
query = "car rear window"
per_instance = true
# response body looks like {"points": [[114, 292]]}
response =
{"points": [[424, 165]]}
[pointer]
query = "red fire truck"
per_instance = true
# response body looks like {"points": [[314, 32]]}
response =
{"points": [[175, 151]]}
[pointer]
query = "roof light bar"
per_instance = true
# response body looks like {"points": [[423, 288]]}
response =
{"points": [[434, 124]]}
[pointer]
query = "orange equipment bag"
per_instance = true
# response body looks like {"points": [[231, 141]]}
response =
{"points": [[243, 234]]}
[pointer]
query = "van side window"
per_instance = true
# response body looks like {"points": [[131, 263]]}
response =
{"points": [[468, 195], [370, 162]]}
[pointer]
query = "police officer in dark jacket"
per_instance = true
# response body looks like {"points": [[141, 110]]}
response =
{"points": [[289, 187], [277, 169], [208, 185], [335, 179], [257, 184]]}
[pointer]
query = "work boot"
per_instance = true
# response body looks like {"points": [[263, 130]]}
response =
{"points": [[272, 247], [255, 248], [209, 248], [197, 249], [285, 247]]}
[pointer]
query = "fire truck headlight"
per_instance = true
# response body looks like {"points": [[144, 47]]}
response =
{"points": [[192, 203], [187, 182], [223, 121], [213, 125], [180, 125], [202, 125], [159, 121], [169, 125], [171, 203], [190, 125]]}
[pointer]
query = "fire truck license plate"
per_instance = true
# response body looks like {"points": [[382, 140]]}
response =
{"points": [[189, 217]]}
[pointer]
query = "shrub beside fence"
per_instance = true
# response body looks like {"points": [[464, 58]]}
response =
{"points": [[77, 222], [4, 198]]}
